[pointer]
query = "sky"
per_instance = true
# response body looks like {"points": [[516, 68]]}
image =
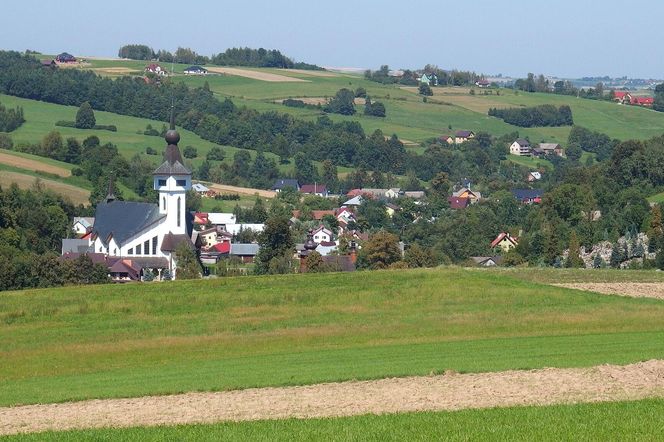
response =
{"points": [[563, 38]]}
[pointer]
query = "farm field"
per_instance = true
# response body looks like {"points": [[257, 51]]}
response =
{"points": [[76, 194], [407, 115], [232, 333], [633, 420]]}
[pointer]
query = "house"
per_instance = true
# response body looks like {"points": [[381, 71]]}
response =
{"points": [[520, 147], [221, 219], [120, 270], [246, 252], [48, 64], [391, 209], [154, 68], [528, 196], [214, 235], [533, 176], [201, 189], [65, 58], [82, 225], [505, 242], [393, 193], [487, 261], [429, 79], [322, 235], [465, 192], [622, 97], [195, 70], [354, 202], [483, 83], [315, 189], [461, 136], [146, 233], [213, 253], [414, 194], [285, 182], [642, 101], [449, 139], [549, 149], [458, 202]]}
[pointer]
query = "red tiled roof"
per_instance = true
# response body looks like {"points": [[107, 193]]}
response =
{"points": [[222, 247], [502, 236], [354, 192], [313, 188], [319, 214], [200, 218], [620, 94], [458, 203]]}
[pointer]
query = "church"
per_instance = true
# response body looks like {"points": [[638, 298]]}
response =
{"points": [[147, 234]]}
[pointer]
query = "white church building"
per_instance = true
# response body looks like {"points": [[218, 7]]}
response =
{"points": [[146, 233]]}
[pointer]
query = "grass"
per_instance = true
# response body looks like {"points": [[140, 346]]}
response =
{"points": [[634, 420], [213, 205], [533, 163], [114, 341]]}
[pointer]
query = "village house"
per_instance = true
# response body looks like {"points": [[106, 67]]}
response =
{"points": [[449, 139], [505, 242], [622, 97], [315, 189], [246, 252], [520, 147], [322, 235], [465, 192], [82, 225], [457, 203], [487, 261], [281, 183], [483, 83], [528, 196], [461, 136], [533, 176], [148, 234], [156, 69], [429, 79], [544, 149], [49, 64], [195, 70], [65, 57], [235, 229]]}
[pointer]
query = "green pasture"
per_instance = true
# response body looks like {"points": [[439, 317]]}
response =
{"points": [[158, 338], [213, 205], [625, 421]]}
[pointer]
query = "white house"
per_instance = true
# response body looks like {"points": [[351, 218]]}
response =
{"points": [[520, 147], [221, 219], [322, 235], [195, 70], [82, 224], [145, 232], [200, 188]]}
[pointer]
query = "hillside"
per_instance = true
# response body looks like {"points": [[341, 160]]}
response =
{"points": [[229, 333]]}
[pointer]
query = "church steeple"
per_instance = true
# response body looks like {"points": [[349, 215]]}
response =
{"points": [[110, 196]]}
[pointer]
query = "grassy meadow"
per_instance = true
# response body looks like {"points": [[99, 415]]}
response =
{"points": [[118, 341], [635, 420]]}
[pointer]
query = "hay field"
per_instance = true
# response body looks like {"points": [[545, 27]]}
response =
{"points": [[255, 75], [77, 195]]}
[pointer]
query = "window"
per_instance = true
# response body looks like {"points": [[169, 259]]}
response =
{"points": [[161, 182], [115, 252], [163, 200], [146, 247], [154, 245], [179, 204], [130, 251], [181, 183], [138, 249]]}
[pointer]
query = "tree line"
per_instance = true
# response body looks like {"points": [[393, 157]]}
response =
{"points": [[535, 116], [11, 119], [264, 58]]}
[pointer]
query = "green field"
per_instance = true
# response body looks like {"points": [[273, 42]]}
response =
{"points": [[117, 341], [625, 421], [409, 117]]}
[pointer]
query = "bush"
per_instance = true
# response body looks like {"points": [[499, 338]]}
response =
{"points": [[425, 90], [85, 117], [536, 116], [151, 151], [190, 152], [77, 171], [63, 123], [6, 142]]}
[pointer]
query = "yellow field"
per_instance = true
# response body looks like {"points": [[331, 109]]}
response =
{"points": [[75, 194]]}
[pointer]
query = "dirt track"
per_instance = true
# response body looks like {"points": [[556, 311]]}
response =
{"points": [[29, 164], [632, 289], [429, 393], [242, 190], [256, 75]]}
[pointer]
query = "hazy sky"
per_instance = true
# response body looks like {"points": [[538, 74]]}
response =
{"points": [[556, 37]]}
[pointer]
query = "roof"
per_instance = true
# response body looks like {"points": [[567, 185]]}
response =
{"points": [[196, 68], [322, 228], [171, 241], [198, 187], [536, 175], [502, 236], [461, 191], [343, 263], [464, 133], [414, 194], [481, 260], [319, 214], [222, 247], [354, 192], [522, 142], [355, 201], [221, 218], [458, 203], [244, 249], [200, 218], [75, 245], [549, 146], [285, 182], [123, 219], [527, 194], [85, 221], [313, 188], [620, 94]]}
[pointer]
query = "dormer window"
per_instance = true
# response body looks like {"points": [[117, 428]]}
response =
{"points": [[181, 183], [161, 182]]}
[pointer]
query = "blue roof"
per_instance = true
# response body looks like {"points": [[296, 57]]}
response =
{"points": [[527, 194], [286, 182]]}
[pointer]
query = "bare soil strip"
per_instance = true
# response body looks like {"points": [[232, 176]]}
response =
{"points": [[241, 190], [255, 75], [75, 194], [429, 393], [311, 73], [29, 164], [632, 289]]}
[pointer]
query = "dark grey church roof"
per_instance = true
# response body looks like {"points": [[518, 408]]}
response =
{"points": [[176, 168], [124, 219]]}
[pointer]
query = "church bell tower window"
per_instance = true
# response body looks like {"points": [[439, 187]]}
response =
{"points": [[179, 204]]}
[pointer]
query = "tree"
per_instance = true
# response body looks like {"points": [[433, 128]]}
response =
{"points": [[425, 90], [314, 262], [342, 103], [417, 256], [573, 258], [190, 152], [188, 265], [6, 142], [305, 171], [330, 177], [381, 250], [215, 154], [85, 117], [52, 145], [74, 151], [275, 242]]}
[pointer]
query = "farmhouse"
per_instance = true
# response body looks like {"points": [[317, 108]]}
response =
{"points": [[528, 196], [429, 79], [461, 136], [195, 70], [549, 149], [465, 192], [505, 242], [315, 189], [148, 234], [82, 225], [156, 69], [520, 147], [449, 139], [483, 83], [534, 176], [285, 182], [458, 202], [65, 58]]}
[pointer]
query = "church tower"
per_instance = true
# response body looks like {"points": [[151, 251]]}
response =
{"points": [[172, 180]]}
